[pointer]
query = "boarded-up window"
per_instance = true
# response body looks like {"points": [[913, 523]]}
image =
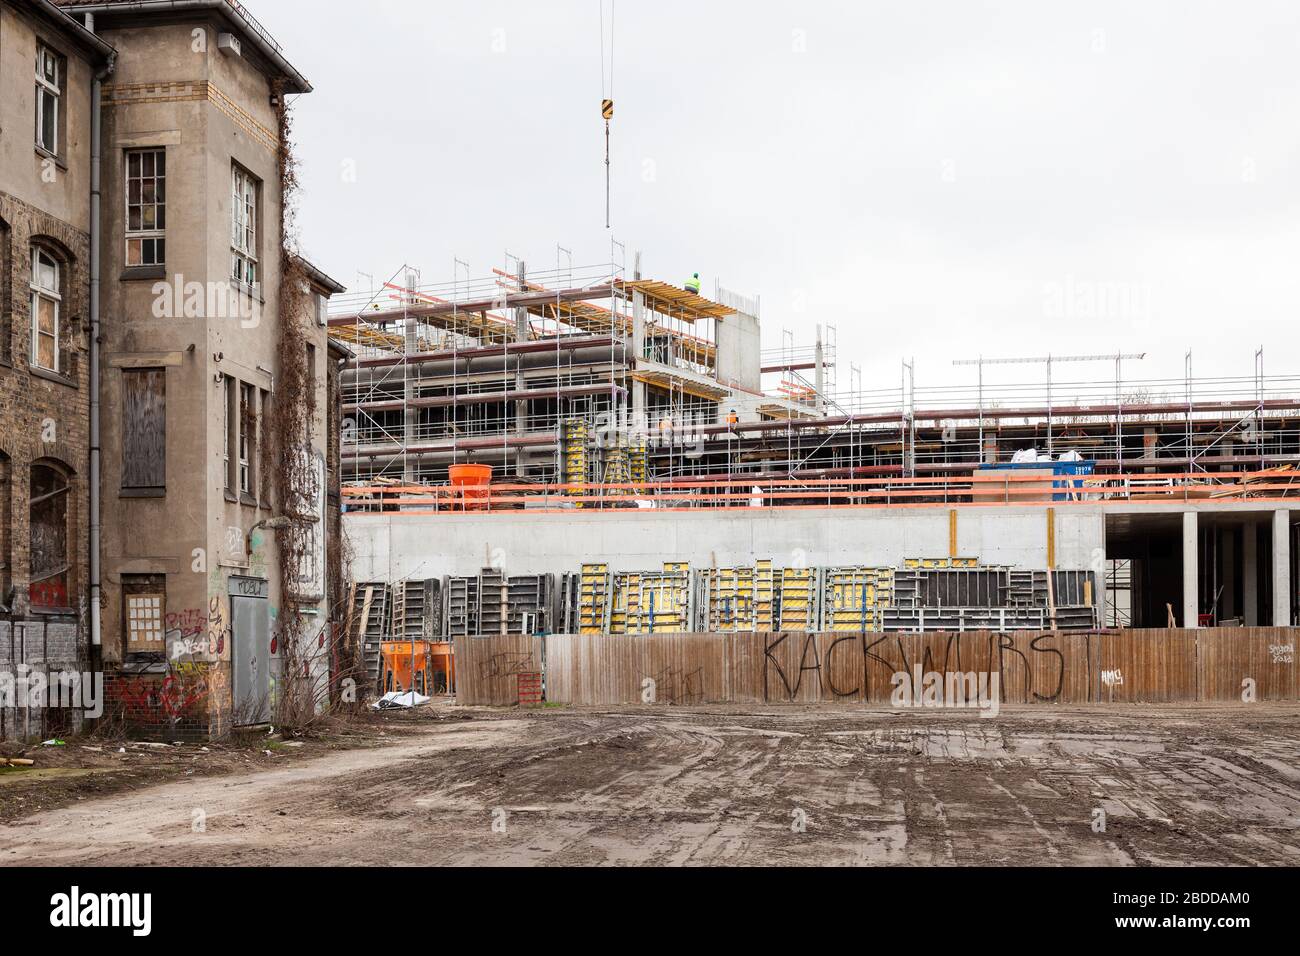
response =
{"points": [[144, 604], [144, 426], [49, 537]]}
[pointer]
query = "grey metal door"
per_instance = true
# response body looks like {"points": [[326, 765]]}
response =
{"points": [[250, 650]]}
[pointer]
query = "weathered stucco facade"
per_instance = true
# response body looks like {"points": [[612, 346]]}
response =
{"points": [[194, 358]]}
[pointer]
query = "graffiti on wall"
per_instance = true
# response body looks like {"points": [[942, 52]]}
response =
{"points": [[184, 690], [197, 634], [863, 665]]}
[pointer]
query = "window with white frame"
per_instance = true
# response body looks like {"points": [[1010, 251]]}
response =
{"points": [[46, 302], [144, 621], [146, 207], [243, 227], [49, 93]]}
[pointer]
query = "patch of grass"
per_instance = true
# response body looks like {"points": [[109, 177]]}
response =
{"points": [[553, 703]]}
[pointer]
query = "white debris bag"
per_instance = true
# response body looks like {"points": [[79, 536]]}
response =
{"points": [[398, 699]]}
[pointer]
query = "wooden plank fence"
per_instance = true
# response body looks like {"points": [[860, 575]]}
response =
{"points": [[488, 668], [1071, 667]]}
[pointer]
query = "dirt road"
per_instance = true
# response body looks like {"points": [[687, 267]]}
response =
{"points": [[831, 785]]}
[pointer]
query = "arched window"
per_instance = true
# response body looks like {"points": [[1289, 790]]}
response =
{"points": [[47, 303], [48, 504]]}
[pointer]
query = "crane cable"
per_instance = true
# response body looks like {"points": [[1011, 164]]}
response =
{"points": [[607, 95]]}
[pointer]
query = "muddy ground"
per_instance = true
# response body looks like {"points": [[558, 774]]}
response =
{"points": [[1191, 784]]}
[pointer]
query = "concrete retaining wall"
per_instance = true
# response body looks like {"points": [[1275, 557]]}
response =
{"points": [[392, 547]]}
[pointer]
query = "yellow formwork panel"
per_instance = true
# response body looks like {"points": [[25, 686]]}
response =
{"points": [[764, 591], [593, 598], [575, 456], [798, 599], [729, 594], [650, 602], [932, 563], [855, 598], [617, 470], [638, 463]]}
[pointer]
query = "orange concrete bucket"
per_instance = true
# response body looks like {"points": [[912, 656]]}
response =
{"points": [[471, 486]]}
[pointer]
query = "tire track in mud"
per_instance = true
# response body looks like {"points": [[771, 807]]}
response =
{"points": [[719, 785]]}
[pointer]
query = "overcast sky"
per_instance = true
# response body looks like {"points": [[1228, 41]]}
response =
{"points": [[937, 180]]}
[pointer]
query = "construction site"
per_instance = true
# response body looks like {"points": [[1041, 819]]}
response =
{"points": [[591, 451], [820, 555]]}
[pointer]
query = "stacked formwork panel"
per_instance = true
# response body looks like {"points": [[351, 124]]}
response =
{"points": [[370, 622], [989, 598], [532, 604], [460, 607], [570, 585], [798, 600], [854, 598], [933, 563], [638, 462], [495, 603], [924, 595], [417, 610], [725, 600], [576, 433], [710, 600], [764, 596], [652, 602], [593, 595]]}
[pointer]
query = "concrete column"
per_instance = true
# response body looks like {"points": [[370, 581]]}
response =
{"points": [[1250, 576], [1227, 571], [1190, 572], [1281, 568]]}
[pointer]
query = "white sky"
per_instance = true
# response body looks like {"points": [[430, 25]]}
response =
{"points": [[937, 180]]}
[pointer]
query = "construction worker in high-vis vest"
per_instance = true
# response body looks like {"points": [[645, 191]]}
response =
{"points": [[693, 283]]}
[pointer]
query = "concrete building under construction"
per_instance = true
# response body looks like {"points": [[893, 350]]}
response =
{"points": [[631, 442]]}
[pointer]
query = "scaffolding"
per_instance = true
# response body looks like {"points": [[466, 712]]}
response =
{"points": [[507, 368], [605, 382]]}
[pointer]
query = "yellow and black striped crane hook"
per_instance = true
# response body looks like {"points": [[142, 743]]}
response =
{"points": [[607, 111]]}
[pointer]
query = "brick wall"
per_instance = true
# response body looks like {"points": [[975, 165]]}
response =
{"points": [[169, 702], [43, 416]]}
